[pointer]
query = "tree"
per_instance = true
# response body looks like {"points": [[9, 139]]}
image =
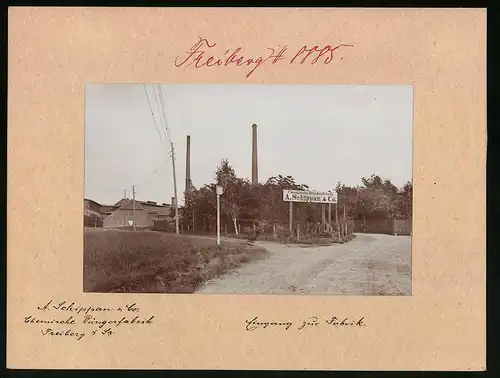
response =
{"points": [[235, 190], [377, 197], [263, 203], [269, 197], [285, 182], [350, 197], [372, 182], [404, 203]]}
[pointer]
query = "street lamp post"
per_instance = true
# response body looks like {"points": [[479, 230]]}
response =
{"points": [[219, 192]]}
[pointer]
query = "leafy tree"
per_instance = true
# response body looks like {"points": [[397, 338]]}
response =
{"points": [[263, 203], [237, 192], [285, 182], [372, 182], [270, 198], [404, 203], [377, 197]]}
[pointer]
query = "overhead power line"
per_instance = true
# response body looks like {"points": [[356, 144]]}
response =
{"points": [[157, 169], [159, 173], [154, 120], [166, 131], [160, 167], [160, 94], [163, 120]]}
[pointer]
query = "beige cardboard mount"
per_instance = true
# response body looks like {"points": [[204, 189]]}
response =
{"points": [[54, 52]]}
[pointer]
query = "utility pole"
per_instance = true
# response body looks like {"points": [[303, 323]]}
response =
{"points": [[255, 164], [337, 215], [175, 190], [188, 179], [125, 193], [330, 215], [133, 205], [188, 165], [219, 191], [345, 222]]}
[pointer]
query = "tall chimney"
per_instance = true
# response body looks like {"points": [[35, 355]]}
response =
{"points": [[188, 164], [255, 168]]}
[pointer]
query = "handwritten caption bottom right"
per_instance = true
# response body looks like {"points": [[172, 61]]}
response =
{"points": [[312, 322]]}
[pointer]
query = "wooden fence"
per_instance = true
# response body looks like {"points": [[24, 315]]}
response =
{"points": [[384, 226], [163, 225], [92, 221], [379, 226], [402, 226], [269, 231]]}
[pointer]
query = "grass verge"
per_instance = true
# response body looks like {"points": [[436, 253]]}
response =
{"points": [[156, 262]]}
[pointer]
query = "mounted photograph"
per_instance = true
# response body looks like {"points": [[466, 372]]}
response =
{"points": [[248, 189]]}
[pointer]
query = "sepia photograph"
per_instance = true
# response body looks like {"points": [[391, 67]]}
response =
{"points": [[248, 189]]}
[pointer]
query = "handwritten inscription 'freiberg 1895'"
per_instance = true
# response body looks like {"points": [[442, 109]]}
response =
{"points": [[199, 56]]}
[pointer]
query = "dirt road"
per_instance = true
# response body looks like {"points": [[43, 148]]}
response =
{"points": [[367, 265]]}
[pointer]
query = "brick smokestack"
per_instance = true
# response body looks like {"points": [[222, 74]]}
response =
{"points": [[188, 164], [255, 167]]}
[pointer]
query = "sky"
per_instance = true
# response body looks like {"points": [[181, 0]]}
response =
{"points": [[319, 134]]}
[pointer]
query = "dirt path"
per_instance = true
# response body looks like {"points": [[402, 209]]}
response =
{"points": [[369, 265]]}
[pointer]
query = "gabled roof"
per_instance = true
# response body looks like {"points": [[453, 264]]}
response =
{"points": [[152, 204], [89, 200], [152, 208], [128, 204], [121, 202], [109, 207], [144, 203]]}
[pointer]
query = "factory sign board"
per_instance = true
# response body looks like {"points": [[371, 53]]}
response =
{"points": [[309, 196]]}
